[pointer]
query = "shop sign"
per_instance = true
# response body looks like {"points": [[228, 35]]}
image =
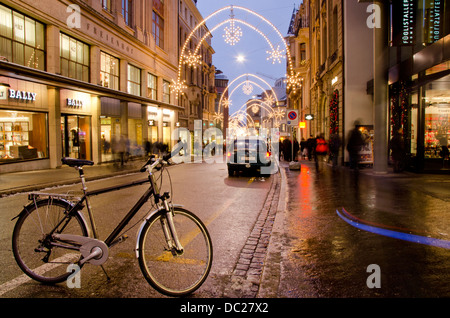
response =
{"points": [[434, 16], [22, 95], [404, 22], [74, 103]]}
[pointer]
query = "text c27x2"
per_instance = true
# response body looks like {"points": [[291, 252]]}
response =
{"points": [[238, 307]]}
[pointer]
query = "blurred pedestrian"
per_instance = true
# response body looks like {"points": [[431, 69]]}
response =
{"points": [[355, 142], [321, 150], [334, 145], [311, 146], [287, 150], [303, 148], [397, 146], [296, 149], [122, 149]]}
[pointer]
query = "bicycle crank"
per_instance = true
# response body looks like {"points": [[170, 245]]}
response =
{"points": [[94, 251]]}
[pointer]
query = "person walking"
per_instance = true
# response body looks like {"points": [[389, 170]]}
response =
{"points": [[397, 146], [355, 142], [311, 146], [334, 145], [321, 150]]}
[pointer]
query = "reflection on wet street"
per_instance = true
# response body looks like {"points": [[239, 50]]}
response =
{"points": [[328, 257]]}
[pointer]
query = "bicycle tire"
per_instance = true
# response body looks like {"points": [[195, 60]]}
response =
{"points": [[30, 240], [175, 275]]}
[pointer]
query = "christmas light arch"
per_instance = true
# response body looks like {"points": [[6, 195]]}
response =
{"points": [[293, 81]]}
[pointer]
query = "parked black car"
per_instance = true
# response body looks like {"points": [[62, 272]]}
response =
{"points": [[248, 154]]}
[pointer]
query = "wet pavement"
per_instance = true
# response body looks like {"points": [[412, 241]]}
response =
{"points": [[321, 255], [301, 247]]}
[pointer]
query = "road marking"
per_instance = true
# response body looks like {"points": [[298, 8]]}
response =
{"points": [[22, 279]]}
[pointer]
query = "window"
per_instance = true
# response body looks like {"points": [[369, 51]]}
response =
{"points": [[134, 80], [74, 58], [152, 86], [166, 91], [109, 71], [21, 39], [158, 22], [106, 4], [302, 52], [127, 13]]}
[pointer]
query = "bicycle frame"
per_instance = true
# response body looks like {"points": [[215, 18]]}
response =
{"points": [[111, 239]]}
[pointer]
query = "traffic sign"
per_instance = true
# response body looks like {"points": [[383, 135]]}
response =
{"points": [[292, 117]]}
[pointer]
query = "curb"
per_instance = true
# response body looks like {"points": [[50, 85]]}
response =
{"points": [[271, 276], [75, 180], [247, 275]]}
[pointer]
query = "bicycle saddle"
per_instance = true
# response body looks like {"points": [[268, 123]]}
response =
{"points": [[72, 162]]}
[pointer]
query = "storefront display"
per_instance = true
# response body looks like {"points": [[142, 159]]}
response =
{"points": [[23, 136]]}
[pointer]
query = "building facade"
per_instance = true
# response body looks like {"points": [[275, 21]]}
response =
{"points": [[198, 99], [76, 76]]}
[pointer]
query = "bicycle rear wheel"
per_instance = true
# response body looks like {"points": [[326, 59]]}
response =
{"points": [[169, 272], [32, 244]]}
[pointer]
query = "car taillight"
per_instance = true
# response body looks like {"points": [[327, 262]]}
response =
{"points": [[268, 154], [229, 154]]}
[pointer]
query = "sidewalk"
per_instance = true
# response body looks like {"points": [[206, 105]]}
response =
{"points": [[17, 182], [310, 246]]}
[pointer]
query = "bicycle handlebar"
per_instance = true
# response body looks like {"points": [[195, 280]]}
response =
{"points": [[162, 160]]}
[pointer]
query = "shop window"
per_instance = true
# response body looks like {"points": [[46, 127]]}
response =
{"points": [[109, 71], [21, 39], [437, 118], [134, 80], [74, 58], [23, 136]]}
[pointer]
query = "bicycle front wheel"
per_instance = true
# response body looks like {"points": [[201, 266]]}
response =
{"points": [[175, 273], [33, 246]]}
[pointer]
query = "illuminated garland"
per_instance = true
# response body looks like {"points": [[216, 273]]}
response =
{"points": [[399, 108], [334, 113]]}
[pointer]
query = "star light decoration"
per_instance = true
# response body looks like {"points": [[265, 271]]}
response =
{"points": [[226, 103], [233, 33], [276, 55], [294, 82], [270, 100], [247, 88], [178, 87], [192, 59]]}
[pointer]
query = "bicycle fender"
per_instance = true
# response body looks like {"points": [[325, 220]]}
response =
{"points": [[139, 233], [27, 208]]}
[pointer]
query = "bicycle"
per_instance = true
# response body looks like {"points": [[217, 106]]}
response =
{"points": [[173, 245]]}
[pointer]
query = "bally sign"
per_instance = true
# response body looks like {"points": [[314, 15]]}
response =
{"points": [[22, 95], [74, 103]]}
